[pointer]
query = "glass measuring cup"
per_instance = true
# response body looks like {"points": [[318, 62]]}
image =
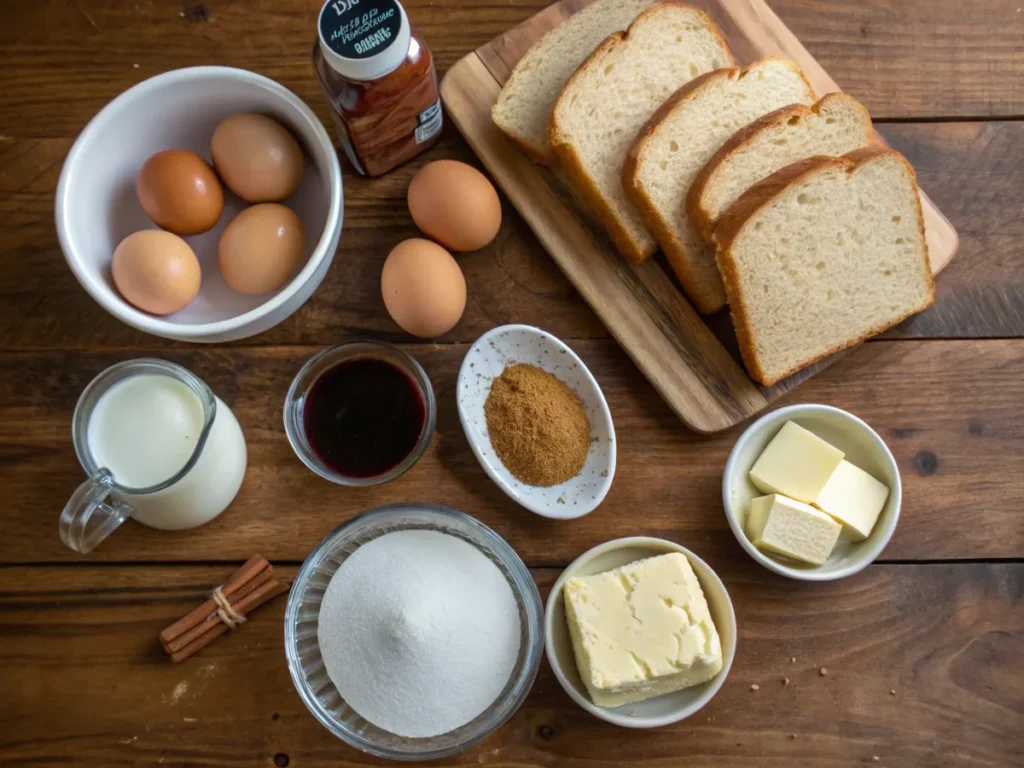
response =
{"points": [[196, 493]]}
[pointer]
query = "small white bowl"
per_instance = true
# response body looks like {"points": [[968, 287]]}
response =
{"points": [[661, 710], [863, 448], [96, 205], [485, 361]]}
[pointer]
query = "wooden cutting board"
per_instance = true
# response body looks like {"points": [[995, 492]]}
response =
{"points": [[691, 360]]}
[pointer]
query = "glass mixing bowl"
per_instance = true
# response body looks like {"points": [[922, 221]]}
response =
{"points": [[303, 613]]}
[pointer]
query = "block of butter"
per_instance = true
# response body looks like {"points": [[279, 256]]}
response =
{"points": [[854, 498], [787, 527], [641, 630], [796, 463]]}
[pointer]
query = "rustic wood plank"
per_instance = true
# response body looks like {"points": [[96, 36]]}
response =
{"points": [[950, 411], [944, 58], [692, 363], [666, 338], [911, 60], [752, 31], [85, 681], [511, 280], [112, 45], [975, 175], [973, 170]]}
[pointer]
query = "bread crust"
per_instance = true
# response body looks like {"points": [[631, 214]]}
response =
{"points": [[671, 246], [674, 249], [762, 194], [570, 159], [581, 181], [540, 152], [698, 214]]}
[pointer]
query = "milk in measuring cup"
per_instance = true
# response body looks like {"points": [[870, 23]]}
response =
{"points": [[144, 430]]}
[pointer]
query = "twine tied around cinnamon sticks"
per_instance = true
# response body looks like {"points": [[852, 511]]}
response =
{"points": [[227, 614], [248, 588]]}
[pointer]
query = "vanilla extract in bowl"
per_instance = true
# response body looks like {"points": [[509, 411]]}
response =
{"points": [[360, 413], [364, 417]]}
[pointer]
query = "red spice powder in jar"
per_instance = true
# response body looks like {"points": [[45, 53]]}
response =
{"points": [[378, 76]]}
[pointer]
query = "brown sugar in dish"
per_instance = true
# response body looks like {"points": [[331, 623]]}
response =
{"points": [[537, 425]]}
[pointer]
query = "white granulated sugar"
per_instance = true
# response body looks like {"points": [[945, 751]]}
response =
{"points": [[419, 631]]}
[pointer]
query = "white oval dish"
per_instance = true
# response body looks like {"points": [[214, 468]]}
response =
{"points": [[486, 360], [96, 205], [661, 710], [863, 448]]}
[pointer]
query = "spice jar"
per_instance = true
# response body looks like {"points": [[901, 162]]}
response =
{"points": [[379, 79]]}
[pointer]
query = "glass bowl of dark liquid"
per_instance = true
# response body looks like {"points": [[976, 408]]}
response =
{"points": [[360, 413]]}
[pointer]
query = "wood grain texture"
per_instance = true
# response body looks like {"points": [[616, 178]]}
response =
{"points": [[643, 307], [957, 442], [974, 171], [977, 179], [944, 58], [905, 60], [82, 679], [511, 280], [85, 681], [111, 45], [750, 27], [639, 304]]}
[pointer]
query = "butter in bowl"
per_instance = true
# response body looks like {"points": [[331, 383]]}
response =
{"points": [[812, 492], [640, 632]]}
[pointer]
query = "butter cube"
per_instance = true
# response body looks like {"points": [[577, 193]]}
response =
{"points": [[797, 463], [854, 498], [641, 630], [787, 527]]}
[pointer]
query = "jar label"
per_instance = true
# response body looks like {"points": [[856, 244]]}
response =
{"points": [[359, 29], [428, 122]]}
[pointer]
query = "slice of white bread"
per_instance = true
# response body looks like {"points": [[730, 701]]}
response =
{"points": [[821, 255], [612, 95], [524, 104], [677, 142], [835, 125]]}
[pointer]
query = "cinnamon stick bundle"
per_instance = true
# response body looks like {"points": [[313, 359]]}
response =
{"points": [[248, 588]]}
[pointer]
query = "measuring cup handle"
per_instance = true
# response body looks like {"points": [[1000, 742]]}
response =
{"points": [[92, 514]]}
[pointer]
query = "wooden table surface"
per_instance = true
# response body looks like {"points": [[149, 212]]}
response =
{"points": [[924, 649]]}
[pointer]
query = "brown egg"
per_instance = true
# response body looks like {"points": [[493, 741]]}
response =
{"points": [[156, 271], [455, 204], [260, 248], [180, 192], [257, 157], [423, 288]]}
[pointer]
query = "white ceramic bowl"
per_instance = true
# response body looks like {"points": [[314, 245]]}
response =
{"points": [[96, 205], [661, 710], [486, 360], [863, 448]]}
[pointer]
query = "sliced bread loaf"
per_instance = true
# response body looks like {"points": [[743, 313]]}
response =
{"points": [[835, 125], [524, 104], [821, 255], [677, 142], [612, 95]]}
